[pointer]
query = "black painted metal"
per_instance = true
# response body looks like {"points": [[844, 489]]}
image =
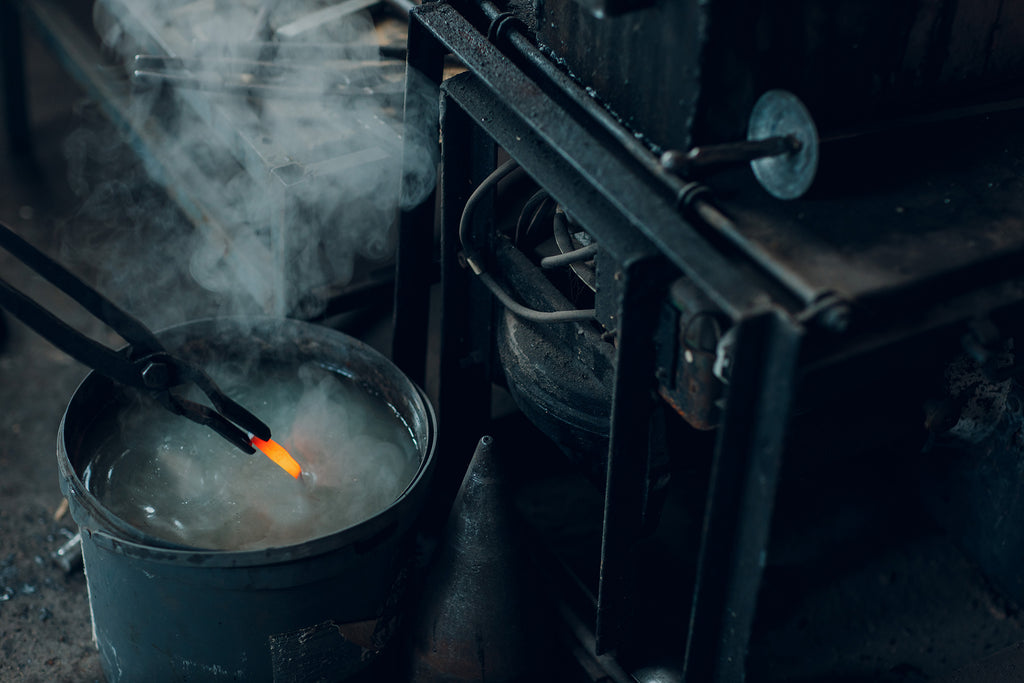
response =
{"points": [[644, 286], [620, 203], [464, 367], [414, 255], [12, 61], [741, 495]]}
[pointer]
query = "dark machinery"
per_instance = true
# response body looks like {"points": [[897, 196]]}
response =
{"points": [[751, 274], [805, 310]]}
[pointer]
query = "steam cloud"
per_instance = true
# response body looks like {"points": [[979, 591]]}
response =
{"points": [[300, 188], [182, 483]]}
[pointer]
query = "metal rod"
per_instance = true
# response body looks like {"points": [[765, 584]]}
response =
{"points": [[235, 65], [414, 255], [12, 63], [731, 153], [320, 17], [69, 555], [644, 284], [741, 496], [212, 82]]}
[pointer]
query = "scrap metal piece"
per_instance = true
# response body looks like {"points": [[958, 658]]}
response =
{"points": [[781, 114]]}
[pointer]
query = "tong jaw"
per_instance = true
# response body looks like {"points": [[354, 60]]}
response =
{"points": [[160, 372]]}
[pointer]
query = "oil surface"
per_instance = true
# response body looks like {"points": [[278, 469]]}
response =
{"points": [[181, 482]]}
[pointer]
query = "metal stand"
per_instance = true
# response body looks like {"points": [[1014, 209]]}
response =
{"points": [[638, 222]]}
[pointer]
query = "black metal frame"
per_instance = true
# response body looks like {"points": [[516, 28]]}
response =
{"points": [[514, 98], [638, 221]]}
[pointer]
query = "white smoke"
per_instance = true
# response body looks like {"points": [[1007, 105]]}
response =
{"points": [[271, 137]]}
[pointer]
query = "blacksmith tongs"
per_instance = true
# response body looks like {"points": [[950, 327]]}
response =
{"points": [[145, 364]]}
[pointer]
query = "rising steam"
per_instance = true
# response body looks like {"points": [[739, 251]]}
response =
{"points": [[285, 137]]}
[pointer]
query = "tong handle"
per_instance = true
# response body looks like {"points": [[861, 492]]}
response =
{"points": [[60, 334], [148, 366], [126, 325]]}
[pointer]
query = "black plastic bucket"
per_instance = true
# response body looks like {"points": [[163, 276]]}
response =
{"points": [[324, 609]]}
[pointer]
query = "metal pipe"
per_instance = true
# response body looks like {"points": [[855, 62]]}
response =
{"points": [[560, 228], [475, 261], [567, 258], [676, 161], [320, 17]]}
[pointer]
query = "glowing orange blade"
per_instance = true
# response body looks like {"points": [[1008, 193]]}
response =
{"points": [[279, 455]]}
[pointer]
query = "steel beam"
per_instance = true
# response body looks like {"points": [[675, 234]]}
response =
{"points": [[741, 496], [414, 255], [644, 286], [12, 61]]}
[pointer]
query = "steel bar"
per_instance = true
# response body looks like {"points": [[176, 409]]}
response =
{"points": [[730, 153], [223, 83], [12, 61], [464, 381], [414, 255], [644, 286], [351, 69], [303, 52], [323, 16], [741, 496]]}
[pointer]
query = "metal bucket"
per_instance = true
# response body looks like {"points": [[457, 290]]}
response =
{"points": [[325, 609]]}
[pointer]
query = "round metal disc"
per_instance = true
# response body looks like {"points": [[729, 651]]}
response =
{"points": [[779, 113]]}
